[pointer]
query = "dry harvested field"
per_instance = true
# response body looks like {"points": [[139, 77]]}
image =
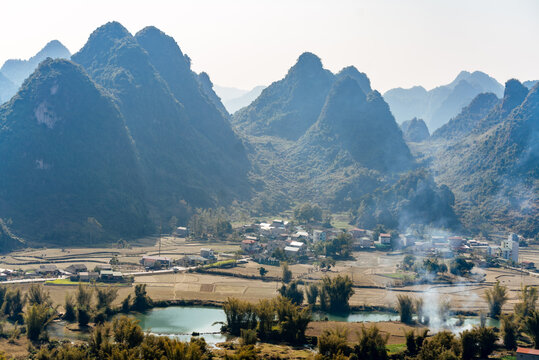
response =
{"points": [[171, 247], [366, 270], [394, 329]]}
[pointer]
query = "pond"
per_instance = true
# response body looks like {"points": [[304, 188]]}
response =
{"points": [[181, 321], [363, 316]]}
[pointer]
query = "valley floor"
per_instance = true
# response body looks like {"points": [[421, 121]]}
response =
{"points": [[373, 274]]}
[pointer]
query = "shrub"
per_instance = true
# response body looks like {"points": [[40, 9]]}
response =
{"points": [[292, 292], [141, 301], [531, 327], [371, 344], [292, 320], [13, 305], [127, 332], [265, 313], [414, 343], [37, 317], [486, 341], [311, 291], [333, 342], [496, 297], [37, 295], [105, 297], [126, 304], [468, 344], [460, 266], [83, 315], [405, 307], [509, 332], [528, 299], [335, 294], [70, 314], [441, 343], [287, 274], [248, 337], [239, 315]]}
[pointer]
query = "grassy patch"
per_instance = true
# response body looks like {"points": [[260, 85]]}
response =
{"points": [[220, 264], [341, 221], [509, 357], [400, 276], [395, 348], [382, 247]]}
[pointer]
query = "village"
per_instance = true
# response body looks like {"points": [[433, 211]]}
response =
{"points": [[270, 243], [180, 269]]}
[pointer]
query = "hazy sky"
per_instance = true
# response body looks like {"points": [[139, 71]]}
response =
{"points": [[254, 42]]}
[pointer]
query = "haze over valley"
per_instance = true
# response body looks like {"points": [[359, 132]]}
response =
{"points": [[241, 180]]}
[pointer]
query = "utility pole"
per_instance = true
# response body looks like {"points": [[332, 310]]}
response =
{"points": [[160, 231]]}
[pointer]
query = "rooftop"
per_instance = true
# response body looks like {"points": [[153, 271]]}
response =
{"points": [[291, 248], [153, 257], [528, 351]]}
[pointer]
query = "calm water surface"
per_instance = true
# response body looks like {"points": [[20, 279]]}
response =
{"points": [[181, 321]]}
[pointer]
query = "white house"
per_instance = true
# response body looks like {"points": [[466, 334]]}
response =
{"points": [[366, 242], [291, 250], [207, 253], [297, 244], [510, 248], [384, 238]]}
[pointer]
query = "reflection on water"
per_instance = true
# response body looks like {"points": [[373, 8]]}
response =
{"points": [[364, 316], [180, 322], [58, 330]]}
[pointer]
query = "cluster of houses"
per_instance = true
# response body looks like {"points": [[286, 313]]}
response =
{"points": [[75, 272], [263, 239], [157, 262], [448, 246], [102, 273], [5, 274]]}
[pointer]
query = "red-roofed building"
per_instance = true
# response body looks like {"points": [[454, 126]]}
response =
{"points": [[357, 233], [155, 262], [527, 354], [250, 246]]}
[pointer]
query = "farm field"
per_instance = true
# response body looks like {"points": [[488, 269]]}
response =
{"points": [[373, 274]]}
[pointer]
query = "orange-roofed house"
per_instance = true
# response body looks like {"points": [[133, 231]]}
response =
{"points": [[527, 354]]}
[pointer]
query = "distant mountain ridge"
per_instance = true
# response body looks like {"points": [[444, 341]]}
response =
{"points": [[18, 70], [442, 103], [236, 103], [126, 137], [489, 157], [7, 88], [469, 118], [114, 145], [14, 71], [415, 130], [208, 89], [288, 107], [188, 149], [330, 139]]}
